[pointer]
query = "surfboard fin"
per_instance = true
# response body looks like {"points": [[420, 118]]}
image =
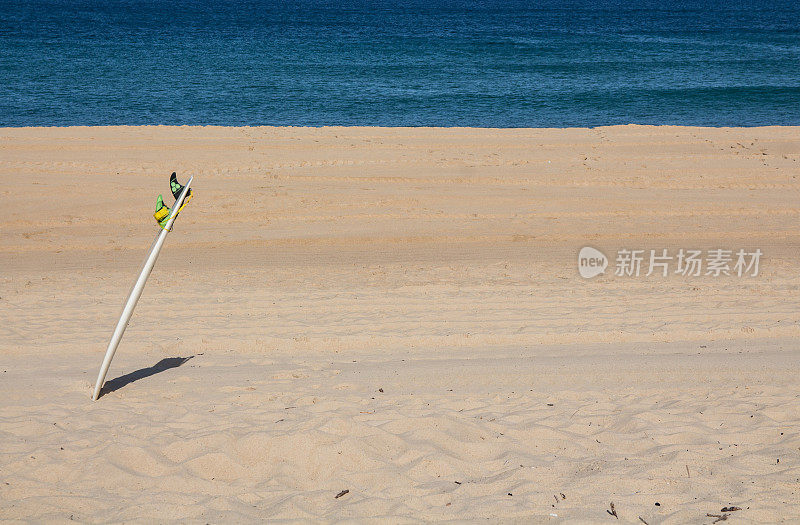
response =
{"points": [[162, 211], [176, 186]]}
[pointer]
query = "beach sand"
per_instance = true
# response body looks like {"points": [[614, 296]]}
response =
{"points": [[398, 313]]}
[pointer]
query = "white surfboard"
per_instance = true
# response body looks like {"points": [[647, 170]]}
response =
{"points": [[137, 289]]}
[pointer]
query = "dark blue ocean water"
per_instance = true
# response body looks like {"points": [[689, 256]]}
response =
{"points": [[418, 62]]}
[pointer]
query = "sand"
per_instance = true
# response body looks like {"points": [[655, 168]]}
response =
{"points": [[398, 313]]}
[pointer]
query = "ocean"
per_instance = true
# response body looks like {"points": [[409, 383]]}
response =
{"points": [[391, 63]]}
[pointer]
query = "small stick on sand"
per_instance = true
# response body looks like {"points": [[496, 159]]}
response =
{"points": [[342, 493]]}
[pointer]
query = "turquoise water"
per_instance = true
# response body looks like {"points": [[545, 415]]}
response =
{"points": [[413, 63]]}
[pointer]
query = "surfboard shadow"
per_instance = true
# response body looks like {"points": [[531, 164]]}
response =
{"points": [[121, 381]]}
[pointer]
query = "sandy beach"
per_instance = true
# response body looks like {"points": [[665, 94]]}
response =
{"points": [[397, 313]]}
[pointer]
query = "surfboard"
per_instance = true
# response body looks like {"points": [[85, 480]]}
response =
{"points": [[138, 286]]}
